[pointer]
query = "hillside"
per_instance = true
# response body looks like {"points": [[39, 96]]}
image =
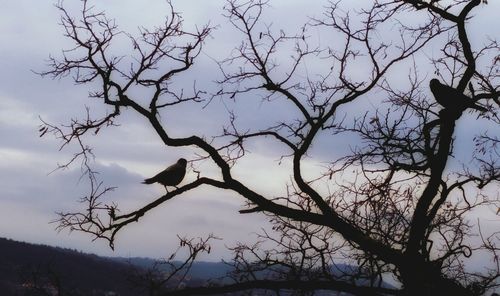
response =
{"points": [[31, 269], [28, 269]]}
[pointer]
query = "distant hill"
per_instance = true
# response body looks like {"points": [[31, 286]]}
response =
{"points": [[199, 270], [29, 269], [33, 269]]}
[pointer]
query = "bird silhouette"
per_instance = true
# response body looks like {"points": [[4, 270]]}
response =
{"points": [[451, 98], [171, 176]]}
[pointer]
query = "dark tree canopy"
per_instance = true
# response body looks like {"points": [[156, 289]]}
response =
{"points": [[395, 204]]}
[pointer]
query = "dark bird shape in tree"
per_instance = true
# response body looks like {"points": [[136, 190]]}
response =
{"points": [[171, 176], [451, 99]]}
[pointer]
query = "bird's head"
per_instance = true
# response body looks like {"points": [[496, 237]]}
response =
{"points": [[182, 161], [434, 82]]}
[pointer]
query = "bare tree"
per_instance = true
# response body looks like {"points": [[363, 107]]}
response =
{"points": [[394, 205]]}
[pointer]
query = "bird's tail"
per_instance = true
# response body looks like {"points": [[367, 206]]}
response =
{"points": [[148, 181]]}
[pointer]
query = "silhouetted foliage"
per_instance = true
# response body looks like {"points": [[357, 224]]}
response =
{"points": [[396, 204]]}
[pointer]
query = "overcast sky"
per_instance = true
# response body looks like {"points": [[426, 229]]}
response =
{"points": [[30, 196]]}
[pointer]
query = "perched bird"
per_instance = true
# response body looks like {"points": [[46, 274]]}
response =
{"points": [[450, 98], [171, 176]]}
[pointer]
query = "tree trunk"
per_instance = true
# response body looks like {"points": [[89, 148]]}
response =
{"points": [[422, 278]]}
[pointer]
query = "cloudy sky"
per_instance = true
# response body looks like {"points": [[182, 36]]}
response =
{"points": [[30, 194]]}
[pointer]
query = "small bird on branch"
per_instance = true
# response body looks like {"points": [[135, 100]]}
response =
{"points": [[451, 99], [171, 176]]}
